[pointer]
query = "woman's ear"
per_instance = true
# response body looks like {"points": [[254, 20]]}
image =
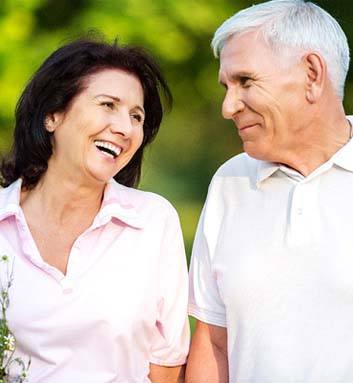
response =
{"points": [[51, 121], [315, 76]]}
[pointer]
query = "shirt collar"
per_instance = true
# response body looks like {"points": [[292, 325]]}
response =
{"points": [[9, 200], [265, 170], [119, 202], [342, 158]]}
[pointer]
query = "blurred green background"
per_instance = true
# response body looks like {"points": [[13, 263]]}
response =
{"points": [[194, 140]]}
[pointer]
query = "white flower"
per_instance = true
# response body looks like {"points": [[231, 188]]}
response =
{"points": [[7, 339], [10, 342]]}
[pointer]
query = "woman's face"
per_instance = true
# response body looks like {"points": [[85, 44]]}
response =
{"points": [[102, 128]]}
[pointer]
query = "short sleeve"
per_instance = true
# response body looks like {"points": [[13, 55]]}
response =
{"points": [[205, 302], [171, 340]]}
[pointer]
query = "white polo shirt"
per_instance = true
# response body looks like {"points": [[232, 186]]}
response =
{"points": [[273, 262], [122, 303]]}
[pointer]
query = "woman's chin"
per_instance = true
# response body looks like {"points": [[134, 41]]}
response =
{"points": [[99, 174], [98, 179]]}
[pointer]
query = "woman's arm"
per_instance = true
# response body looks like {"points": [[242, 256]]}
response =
{"points": [[163, 374]]}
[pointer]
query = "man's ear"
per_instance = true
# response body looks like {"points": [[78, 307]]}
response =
{"points": [[315, 76], [52, 121]]}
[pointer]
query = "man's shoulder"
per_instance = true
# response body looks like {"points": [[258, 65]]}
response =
{"points": [[241, 165]]}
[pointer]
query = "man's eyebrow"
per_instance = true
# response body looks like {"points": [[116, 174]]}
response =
{"points": [[236, 76], [241, 74]]}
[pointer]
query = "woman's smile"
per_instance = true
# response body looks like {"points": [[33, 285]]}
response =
{"points": [[108, 149]]}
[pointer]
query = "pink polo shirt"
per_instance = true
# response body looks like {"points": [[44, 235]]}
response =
{"points": [[122, 304]]}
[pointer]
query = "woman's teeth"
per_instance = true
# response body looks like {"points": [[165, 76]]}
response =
{"points": [[108, 147]]}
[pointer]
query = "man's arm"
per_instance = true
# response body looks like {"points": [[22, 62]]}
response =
{"points": [[163, 374], [208, 361]]}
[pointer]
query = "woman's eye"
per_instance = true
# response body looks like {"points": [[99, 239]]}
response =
{"points": [[108, 104], [137, 117]]}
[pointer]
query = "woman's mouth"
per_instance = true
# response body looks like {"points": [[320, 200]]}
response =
{"points": [[107, 148]]}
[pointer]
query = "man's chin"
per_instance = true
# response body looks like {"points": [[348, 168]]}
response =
{"points": [[254, 151]]}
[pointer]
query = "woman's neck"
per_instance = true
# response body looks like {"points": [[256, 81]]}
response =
{"points": [[63, 199]]}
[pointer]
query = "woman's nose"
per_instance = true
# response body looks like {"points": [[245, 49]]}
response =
{"points": [[121, 124]]}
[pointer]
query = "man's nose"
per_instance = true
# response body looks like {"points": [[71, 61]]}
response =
{"points": [[232, 104]]}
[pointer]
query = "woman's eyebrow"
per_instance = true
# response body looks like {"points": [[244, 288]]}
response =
{"points": [[117, 99]]}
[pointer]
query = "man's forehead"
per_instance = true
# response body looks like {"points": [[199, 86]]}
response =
{"points": [[246, 53], [243, 44], [235, 55]]}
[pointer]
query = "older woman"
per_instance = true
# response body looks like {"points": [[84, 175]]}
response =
{"points": [[99, 285]]}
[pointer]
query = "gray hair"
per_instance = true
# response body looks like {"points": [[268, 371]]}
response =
{"points": [[295, 24]]}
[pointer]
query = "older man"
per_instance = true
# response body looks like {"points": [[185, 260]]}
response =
{"points": [[272, 265]]}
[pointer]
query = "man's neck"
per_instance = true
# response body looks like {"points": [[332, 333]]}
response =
{"points": [[323, 140]]}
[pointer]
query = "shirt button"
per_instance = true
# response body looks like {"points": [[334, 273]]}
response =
{"points": [[67, 286], [300, 211]]}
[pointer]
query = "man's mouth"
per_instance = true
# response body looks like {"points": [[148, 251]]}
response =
{"points": [[245, 127], [108, 148]]}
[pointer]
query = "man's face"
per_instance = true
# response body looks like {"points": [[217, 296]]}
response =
{"points": [[265, 96]]}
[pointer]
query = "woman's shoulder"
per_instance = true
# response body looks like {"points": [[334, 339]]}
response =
{"points": [[141, 200]]}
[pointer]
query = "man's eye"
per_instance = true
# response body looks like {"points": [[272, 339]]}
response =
{"points": [[245, 81], [108, 104]]}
